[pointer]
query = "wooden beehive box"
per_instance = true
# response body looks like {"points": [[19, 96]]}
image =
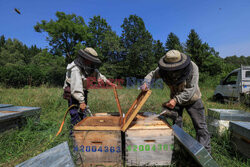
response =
{"points": [[148, 143], [106, 132], [98, 141], [148, 140]]}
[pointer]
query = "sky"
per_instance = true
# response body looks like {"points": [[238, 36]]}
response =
{"points": [[223, 24]]}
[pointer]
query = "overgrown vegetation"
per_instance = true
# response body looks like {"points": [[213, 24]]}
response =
{"points": [[19, 145], [133, 54]]}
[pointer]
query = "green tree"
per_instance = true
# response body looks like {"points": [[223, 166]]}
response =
{"points": [[52, 67], [12, 53], [2, 42], [137, 42], [64, 33], [203, 55], [97, 28], [173, 42], [111, 51], [158, 51], [194, 47]]}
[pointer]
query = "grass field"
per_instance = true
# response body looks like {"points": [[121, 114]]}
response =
{"points": [[19, 145]]}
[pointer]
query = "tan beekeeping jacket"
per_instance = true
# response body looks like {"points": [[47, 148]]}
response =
{"points": [[78, 82], [185, 93]]}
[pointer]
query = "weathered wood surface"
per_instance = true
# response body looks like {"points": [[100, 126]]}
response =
{"points": [[195, 149], [99, 123], [5, 105], [58, 156], [146, 138], [118, 105], [155, 140], [230, 115], [102, 140], [135, 108], [144, 122]]}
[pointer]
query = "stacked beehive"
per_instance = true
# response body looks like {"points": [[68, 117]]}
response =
{"points": [[218, 119], [240, 137], [101, 141]]}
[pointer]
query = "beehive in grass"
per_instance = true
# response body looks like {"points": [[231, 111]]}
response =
{"points": [[15, 116]]}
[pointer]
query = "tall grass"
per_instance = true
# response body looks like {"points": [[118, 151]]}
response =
{"points": [[19, 145]]}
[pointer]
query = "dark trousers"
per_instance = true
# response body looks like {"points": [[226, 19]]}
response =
{"points": [[76, 115], [197, 113]]}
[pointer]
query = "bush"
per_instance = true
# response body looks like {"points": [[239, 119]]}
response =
{"points": [[19, 76]]}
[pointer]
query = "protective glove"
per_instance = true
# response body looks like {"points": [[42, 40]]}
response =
{"points": [[111, 84], [144, 87], [170, 104], [82, 106]]}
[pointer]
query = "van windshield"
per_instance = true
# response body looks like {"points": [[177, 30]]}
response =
{"points": [[247, 74]]}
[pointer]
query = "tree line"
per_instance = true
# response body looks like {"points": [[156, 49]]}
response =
{"points": [[133, 54]]}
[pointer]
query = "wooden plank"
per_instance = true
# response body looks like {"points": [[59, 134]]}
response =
{"points": [[118, 105], [163, 127], [97, 128], [89, 142], [101, 114], [131, 114], [99, 123]]}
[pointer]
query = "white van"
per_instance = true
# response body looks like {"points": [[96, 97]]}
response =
{"points": [[236, 86]]}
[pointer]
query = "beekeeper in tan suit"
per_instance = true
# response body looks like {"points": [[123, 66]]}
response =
{"points": [[182, 76], [76, 83]]}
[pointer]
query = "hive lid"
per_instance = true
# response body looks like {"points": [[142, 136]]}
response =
{"points": [[134, 109], [5, 105], [241, 128], [16, 111], [228, 114]]}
